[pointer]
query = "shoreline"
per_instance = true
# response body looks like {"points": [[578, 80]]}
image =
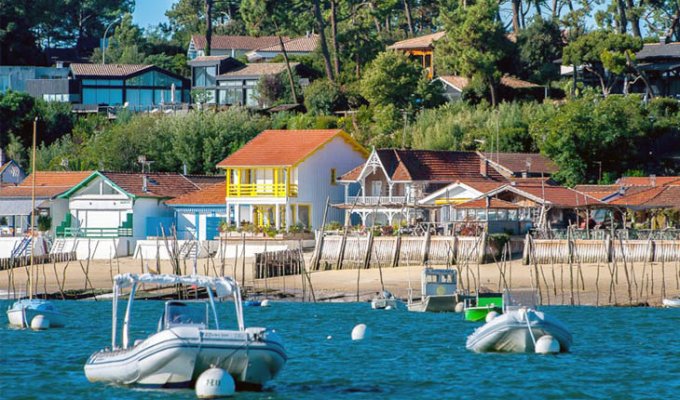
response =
{"points": [[648, 282]]}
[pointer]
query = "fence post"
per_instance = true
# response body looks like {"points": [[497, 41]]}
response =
{"points": [[317, 250], [454, 250], [482, 249], [341, 251], [527, 249], [651, 256], [426, 247], [395, 251], [369, 246]]}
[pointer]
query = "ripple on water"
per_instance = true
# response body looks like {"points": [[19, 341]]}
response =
{"points": [[627, 353]]}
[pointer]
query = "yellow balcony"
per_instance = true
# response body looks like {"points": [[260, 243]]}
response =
{"points": [[261, 190]]}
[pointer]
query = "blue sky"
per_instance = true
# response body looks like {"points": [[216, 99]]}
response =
{"points": [[151, 12]]}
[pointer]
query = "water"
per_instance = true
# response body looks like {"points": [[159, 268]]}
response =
{"points": [[618, 353]]}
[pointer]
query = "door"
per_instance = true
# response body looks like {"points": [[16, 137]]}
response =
{"points": [[376, 188], [212, 226]]}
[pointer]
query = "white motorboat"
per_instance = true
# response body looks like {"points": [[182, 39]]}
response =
{"points": [[438, 291], [187, 343], [22, 312], [672, 302], [384, 300], [517, 330]]}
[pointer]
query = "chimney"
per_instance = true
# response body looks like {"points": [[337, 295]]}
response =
{"points": [[652, 180], [145, 186], [484, 167]]}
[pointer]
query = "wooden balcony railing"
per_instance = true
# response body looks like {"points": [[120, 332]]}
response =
{"points": [[375, 200]]}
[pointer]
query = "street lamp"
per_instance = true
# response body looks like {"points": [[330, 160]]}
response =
{"points": [[104, 44]]}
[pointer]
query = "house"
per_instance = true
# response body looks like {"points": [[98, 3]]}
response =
{"points": [[15, 78], [402, 186], [16, 201], [137, 87], [661, 63], [229, 45], [198, 215], [521, 206], [11, 173], [283, 178], [204, 73], [509, 88], [301, 46], [239, 86], [122, 205], [421, 49]]}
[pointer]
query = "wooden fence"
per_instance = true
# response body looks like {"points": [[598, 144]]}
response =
{"points": [[544, 251], [349, 252], [270, 264], [22, 261]]}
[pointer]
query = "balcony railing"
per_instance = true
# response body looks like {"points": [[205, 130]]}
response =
{"points": [[73, 232], [261, 190], [376, 200]]}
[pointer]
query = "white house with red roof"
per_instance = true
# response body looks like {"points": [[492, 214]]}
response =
{"points": [[282, 178]]}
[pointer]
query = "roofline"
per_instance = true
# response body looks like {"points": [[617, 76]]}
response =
{"points": [[436, 194], [67, 194], [494, 163]]}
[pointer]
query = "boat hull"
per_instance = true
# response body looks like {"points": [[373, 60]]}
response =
{"points": [[512, 333], [671, 303], [477, 314], [176, 357], [435, 304], [21, 315], [381, 304]]}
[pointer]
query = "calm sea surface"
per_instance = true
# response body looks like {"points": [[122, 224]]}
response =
{"points": [[618, 353]]}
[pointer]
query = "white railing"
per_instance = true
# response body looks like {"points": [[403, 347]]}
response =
{"points": [[375, 200]]}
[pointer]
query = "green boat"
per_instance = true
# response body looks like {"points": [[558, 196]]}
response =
{"points": [[479, 306]]}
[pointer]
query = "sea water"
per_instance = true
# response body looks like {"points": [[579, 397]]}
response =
{"points": [[618, 353]]}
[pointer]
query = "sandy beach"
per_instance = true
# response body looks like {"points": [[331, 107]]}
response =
{"points": [[592, 283]]}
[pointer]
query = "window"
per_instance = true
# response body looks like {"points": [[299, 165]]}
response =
{"points": [[334, 177], [304, 214], [203, 76]]}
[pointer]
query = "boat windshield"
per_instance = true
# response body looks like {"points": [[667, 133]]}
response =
{"points": [[185, 313], [520, 298]]}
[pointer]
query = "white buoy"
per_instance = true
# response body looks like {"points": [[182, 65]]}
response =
{"points": [[329, 337], [547, 344], [40, 322], [265, 303], [388, 308], [491, 315], [460, 307], [359, 332], [214, 383]]}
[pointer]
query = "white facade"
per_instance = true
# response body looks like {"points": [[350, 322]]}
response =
{"points": [[192, 222]]}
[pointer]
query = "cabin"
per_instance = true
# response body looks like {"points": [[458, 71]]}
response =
{"points": [[283, 178], [199, 215], [421, 49], [204, 73], [509, 88]]}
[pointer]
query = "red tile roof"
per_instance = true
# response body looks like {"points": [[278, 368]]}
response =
{"points": [[420, 42], [492, 203], [652, 197], [160, 185], [517, 162], [120, 70], [226, 42], [461, 82], [47, 184], [430, 165], [598, 191], [559, 196], [648, 180], [281, 147], [214, 194], [205, 180]]}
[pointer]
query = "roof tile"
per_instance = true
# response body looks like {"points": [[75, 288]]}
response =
{"points": [[160, 185], [107, 69], [227, 42], [214, 194]]}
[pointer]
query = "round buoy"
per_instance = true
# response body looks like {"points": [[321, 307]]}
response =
{"points": [[460, 307], [329, 337], [491, 315], [40, 322], [265, 303], [388, 308], [214, 383], [359, 332], [547, 344]]}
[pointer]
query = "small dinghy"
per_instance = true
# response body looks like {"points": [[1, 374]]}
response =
{"points": [[186, 343], [384, 300], [22, 312], [518, 330], [672, 302]]}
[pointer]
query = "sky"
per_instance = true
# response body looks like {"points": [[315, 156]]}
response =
{"points": [[151, 12]]}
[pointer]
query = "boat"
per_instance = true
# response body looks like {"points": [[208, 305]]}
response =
{"points": [[187, 341], [252, 303], [672, 302], [383, 300], [438, 291], [477, 308], [518, 330], [22, 312]]}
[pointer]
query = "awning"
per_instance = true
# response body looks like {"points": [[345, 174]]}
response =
{"points": [[16, 207]]}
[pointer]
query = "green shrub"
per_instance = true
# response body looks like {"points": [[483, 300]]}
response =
{"points": [[322, 97]]}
